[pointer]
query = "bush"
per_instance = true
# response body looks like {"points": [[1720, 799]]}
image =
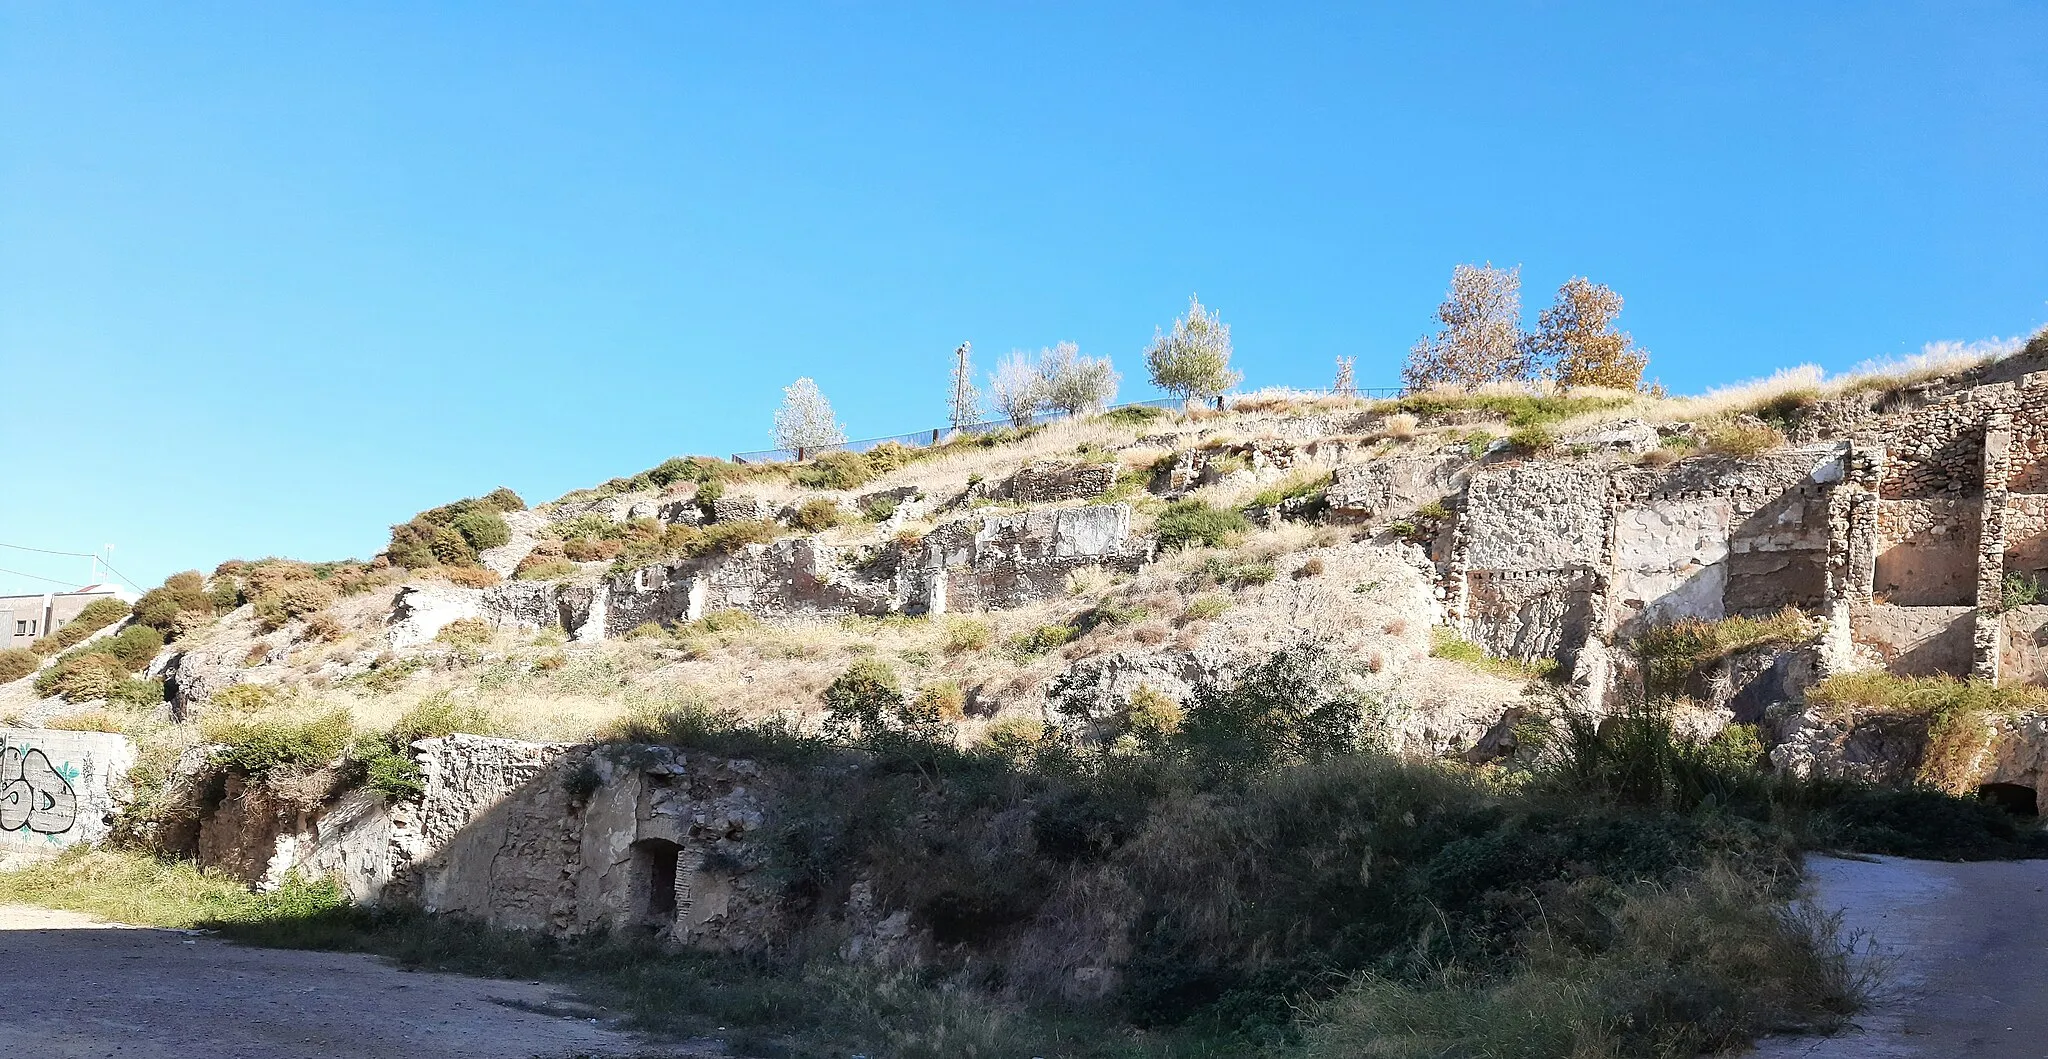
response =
{"points": [[1282, 711], [93, 617], [139, 692], [81, 677], [17, 662], [256, 745], [1672, 654], [817, 515], [944, 700], [483, 529], [1136, 415], [1531, 439], [1191, 521], [1742, 439], [545, 569], [860, 700], [472, 633], [1237, 573], [136, 646], [591, 549], [967, 634], [504, 499], [468, 576], [1042, 639], [1205, 606], [2020, 590]]}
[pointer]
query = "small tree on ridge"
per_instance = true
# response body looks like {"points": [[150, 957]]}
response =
{"points": [[1578, 336], [1193, 361], [1017, 389], [1481, 340], [805, 420], [1073, 383]]}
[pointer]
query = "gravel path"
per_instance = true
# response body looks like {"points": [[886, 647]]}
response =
{"points": [[1963, 950], [78, 988]]}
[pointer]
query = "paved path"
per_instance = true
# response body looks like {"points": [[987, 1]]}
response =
{"points": [[75, 988], [1964, 954]]}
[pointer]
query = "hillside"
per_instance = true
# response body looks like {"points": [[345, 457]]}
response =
{"points": [[1181, 713]]}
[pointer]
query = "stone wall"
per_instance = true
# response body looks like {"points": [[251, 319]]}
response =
{"points": [[59, 788]]}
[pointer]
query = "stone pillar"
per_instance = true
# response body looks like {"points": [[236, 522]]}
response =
{"points": [[1986, 641]]}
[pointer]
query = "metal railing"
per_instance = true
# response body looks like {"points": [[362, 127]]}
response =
{"points": [[926, 438], [939, 435]]}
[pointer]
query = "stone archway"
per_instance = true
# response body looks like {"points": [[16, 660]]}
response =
{"points": [[2016, 798]]}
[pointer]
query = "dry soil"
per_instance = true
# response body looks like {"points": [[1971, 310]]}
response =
{"points": [[78, 988]]}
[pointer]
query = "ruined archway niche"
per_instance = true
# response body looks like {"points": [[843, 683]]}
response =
{"points": [[2016, 798], [660, 892]]}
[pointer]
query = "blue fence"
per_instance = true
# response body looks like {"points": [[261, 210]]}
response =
{"points": [[937, 435]]}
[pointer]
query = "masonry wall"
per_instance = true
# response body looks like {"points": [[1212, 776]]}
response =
{"points": [[59, 788]]}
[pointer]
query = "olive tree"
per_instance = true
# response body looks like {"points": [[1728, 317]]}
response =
{"points": [[1481, 340], [1072, 383], [1193, 361], [805, 420]]}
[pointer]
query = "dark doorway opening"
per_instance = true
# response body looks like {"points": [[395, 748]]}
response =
{"points": [[654, 872], [2016, 798]]}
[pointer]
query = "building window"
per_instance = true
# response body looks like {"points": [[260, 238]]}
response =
{"points": [[21, 628]]}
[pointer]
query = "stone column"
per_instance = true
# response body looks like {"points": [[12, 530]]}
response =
{"points": [[1986, 640]]}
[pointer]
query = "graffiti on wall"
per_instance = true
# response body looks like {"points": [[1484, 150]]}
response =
{"points": [[35, 795]]}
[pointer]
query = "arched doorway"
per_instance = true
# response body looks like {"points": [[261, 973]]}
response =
{"points": [[2016, 798]]}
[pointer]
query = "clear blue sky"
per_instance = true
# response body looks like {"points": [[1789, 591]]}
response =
{"points": [[273, 276]]}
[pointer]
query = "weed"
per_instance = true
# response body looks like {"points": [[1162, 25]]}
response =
{"points": [[1042, 639], [1735, 438], [1190, 522], [1206, 606], [2020, 590], [1447, 644], [967, 634]]}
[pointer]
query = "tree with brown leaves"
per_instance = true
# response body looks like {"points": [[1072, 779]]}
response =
{"points": [[1578, 336]]}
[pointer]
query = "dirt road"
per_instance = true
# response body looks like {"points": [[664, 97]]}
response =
{"points": [[78, 988], [1962, 947]]}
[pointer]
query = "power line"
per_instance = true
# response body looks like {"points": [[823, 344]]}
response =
{"points": [[101, 559], [39, 577], [47, 551]]}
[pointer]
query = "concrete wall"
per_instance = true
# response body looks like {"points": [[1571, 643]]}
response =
{"points": [[59, 788]]}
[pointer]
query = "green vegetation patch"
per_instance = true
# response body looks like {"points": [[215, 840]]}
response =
{"points": [[1519, 410], [1672, 655]]}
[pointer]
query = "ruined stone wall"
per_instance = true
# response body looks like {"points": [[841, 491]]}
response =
{"points": [[59, 788]]}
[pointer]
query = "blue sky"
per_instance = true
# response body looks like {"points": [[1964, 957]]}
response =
{"points": [[274, 276]]}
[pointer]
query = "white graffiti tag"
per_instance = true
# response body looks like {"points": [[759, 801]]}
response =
{"points": [[33, 794]]}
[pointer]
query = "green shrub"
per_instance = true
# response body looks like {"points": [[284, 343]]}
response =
{"points": [[1283, 711], [470, 633], [545, 570], [440, 715], [1136, 415], [967, 634], [1294, 487], [504, 499], [255, 745], [859, 701], [817, 515], [1112, 614], [83, 676], [1518, 409], [17, 662], [1531, 439], [1236, 572], [727, 620], [1042, 639], [1205, 606], [1189, 522], [2020, 590], [482, 529], [879, 509], [1673, 654], [136, 646], [93, 617], [139, 692]]}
